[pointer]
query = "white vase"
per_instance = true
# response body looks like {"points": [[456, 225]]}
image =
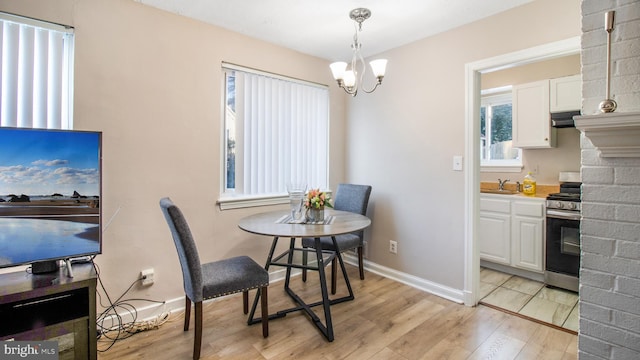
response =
{"points": [[315, 215]]}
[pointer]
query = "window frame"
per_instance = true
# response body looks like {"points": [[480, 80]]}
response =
{"points": [[230, 199], [498, 96]]}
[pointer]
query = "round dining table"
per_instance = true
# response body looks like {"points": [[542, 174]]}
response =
{"points": [[279, 224]]}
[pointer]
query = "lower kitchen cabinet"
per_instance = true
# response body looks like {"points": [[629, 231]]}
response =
{"points": [[511, 231], [527, 236], [495, 230]]}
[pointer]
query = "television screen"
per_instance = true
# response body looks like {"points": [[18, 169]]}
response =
{"points": [[50, 187]]}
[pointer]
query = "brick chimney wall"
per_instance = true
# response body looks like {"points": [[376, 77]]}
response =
{"points": [[610, 227]]}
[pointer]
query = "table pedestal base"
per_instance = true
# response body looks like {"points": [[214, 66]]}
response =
{"points": [[323, 257]]}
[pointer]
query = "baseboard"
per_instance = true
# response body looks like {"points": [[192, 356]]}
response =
{"points": [[513, 271], [174, 306], [142, 313], [455, 295]]}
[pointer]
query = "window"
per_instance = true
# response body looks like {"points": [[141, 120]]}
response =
{"points": [[276, 132], [495, 131], [36, 73]]}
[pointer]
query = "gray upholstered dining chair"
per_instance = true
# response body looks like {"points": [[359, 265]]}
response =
{"points": [[353, 198], [213, 279]]}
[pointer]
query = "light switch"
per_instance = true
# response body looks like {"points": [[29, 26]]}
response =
{"points": [[457, 163]]}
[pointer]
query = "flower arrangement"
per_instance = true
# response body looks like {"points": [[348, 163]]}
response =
{"points": [[317, 199]]}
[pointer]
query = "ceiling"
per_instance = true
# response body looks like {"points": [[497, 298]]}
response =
{"points": [[323, 28]]}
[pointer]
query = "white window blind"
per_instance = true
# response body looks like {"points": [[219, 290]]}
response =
{"points": [[279, 129], [36, 73]]}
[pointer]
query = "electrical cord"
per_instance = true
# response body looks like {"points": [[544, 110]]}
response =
{"points": [[115, 311]]}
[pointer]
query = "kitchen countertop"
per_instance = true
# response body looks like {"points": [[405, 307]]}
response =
{"points": [[541, 190]]}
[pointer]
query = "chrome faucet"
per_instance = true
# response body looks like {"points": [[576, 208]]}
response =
{"points": [[501, 184]]}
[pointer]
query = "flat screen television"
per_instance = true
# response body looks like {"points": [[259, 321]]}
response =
{"points": [[50, 190]]}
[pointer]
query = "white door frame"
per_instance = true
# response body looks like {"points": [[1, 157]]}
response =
{"points": [[473, 72]]}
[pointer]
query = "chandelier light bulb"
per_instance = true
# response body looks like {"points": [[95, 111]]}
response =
{"points": [[349, 78], [337, 69], [378, 67]]}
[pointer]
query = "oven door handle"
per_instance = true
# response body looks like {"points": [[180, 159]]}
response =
{"points": [[563, 215]]}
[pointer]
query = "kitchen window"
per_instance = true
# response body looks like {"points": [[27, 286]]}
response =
{"points": [[497, 152], [36, 71], [276, 131]]}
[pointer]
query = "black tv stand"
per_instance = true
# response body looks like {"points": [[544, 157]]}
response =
{"points": [[51, 306]]}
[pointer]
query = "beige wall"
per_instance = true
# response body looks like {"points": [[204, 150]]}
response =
{"points": [[544, 163], [549, 69], [151, 82], [404, 136]]}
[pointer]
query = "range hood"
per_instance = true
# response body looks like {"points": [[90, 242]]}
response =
{"points": [[564, 119]]}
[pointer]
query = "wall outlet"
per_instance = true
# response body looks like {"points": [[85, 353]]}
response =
{"points": [[393, 246], [146, 276]]}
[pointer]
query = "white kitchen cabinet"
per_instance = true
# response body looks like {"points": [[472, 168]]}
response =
{"points": [[565, 93], [511, 231], [531, 124], [527, 234], [495, 230]]}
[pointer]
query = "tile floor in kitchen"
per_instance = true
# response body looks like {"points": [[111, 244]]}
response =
{"points": [[529, 298]]}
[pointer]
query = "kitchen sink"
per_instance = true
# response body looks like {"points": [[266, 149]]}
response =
{"points": [[498, 191]]}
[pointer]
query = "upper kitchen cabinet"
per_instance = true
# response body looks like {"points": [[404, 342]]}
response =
{"points": [[531, 116], [566, 93]]}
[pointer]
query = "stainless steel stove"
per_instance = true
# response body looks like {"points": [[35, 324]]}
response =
{"points": [[568, 199], [562, 254]]}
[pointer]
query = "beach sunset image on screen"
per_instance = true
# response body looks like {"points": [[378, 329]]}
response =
{"points": [[50, 187]]}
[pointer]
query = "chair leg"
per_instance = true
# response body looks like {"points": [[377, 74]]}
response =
{"points": [[245, 302], [361, 262], [197, 339], [304, 263], [334, 272], [187, 313], [264, 311]]}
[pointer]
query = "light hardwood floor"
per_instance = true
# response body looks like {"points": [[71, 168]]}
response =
{"points": [[387, 320]]}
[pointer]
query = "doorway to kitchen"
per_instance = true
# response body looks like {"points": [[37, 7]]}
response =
{"points": [[473, 72]]}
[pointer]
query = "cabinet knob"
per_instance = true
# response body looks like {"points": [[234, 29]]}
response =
{"points": [[546, 139]]}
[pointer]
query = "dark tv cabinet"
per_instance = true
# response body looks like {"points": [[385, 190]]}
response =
{"points": [[51, 307]]}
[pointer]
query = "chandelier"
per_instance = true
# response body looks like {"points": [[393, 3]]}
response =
{"points": [[350, 79]]}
